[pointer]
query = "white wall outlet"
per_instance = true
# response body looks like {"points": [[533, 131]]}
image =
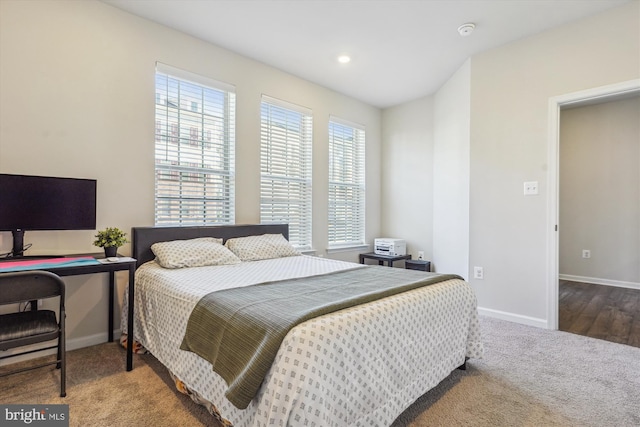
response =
{"points": [[586, 253], [531, 188], [420, 254], [478, 273]]}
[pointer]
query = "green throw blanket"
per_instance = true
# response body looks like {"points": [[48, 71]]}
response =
{"points": [[239, 330]]}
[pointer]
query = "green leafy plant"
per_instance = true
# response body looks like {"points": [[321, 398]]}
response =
{"points": [[110, 237]]}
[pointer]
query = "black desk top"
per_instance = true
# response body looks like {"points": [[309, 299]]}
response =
{"points": [[124, 263]]}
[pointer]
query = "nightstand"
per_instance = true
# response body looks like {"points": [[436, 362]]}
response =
{"points": [[382, 258], [418, 264]]}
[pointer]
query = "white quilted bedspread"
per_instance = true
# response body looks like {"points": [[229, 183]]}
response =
{"points": [[361, 366]]}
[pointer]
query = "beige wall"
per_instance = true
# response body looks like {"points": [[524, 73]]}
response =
{"points": [[425, 171], [600, 192], [451, 174], [407, 175], [507, 95], [510, 91], [77, 100]]}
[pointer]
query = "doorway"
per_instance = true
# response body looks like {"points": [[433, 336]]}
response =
{"points": [[592, 96], [599, 234]]}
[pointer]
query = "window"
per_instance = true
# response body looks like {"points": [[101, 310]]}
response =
{"points": [[346, 184], [285, 168], [194, 178]]}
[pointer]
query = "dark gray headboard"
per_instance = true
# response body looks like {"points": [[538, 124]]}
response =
{"points": [[144, 237]]}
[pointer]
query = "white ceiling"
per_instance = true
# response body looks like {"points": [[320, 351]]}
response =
{"points": [[401, 49]]}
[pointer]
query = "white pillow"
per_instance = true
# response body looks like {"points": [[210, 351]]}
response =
{"points": [[193, 253], [265, 246]]}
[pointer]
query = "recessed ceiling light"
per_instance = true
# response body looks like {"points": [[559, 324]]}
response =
{"points": [[344, 59], [466, 29]]}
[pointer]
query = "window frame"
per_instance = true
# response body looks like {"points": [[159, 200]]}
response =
{"points": [[200, 168], [286, 176], [353, 235]]}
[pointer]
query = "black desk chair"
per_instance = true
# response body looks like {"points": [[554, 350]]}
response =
{"points": [[33, 326]]}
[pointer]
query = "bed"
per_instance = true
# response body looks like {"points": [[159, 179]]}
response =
{"points": [[361, 365]]}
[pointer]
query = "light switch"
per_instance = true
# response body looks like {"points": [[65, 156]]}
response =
{"points": [[531, 188]]}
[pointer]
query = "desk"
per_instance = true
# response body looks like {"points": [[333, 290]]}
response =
{"points": [[382, 258], [111, 268]]}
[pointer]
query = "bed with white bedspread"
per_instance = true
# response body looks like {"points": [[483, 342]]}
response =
{"points": [[359, 366]]}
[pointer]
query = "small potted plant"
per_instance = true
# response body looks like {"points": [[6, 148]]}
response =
{"points": [[110, 239]]}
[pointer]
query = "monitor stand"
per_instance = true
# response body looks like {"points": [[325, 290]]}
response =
{"points": [[17, 253], [18, 243]]}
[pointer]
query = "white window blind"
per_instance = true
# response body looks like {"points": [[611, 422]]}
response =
{"points": [[285, 168], [346, 184], [194, 149]]}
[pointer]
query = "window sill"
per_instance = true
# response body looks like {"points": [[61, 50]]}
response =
{"points": [[348, 248]]}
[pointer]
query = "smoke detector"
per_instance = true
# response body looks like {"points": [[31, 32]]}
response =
{"points": [[466, 29]]}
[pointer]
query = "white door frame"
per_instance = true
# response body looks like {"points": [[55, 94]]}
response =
{"points": [[585, 97]]}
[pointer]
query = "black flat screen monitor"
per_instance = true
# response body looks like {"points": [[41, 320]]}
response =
{"points": [[45, 203]]}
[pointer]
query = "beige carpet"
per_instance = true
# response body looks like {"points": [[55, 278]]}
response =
{"points": [[528, 377]]}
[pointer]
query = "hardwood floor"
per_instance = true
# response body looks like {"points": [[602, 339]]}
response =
{"points": [[605, 312]]}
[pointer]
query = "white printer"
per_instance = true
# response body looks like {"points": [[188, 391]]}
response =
{"points": [[390, 247]]}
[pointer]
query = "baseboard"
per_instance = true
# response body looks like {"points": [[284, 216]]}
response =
{"points": [[90, 340], [512, 317], [598, 281], [72, 344]]}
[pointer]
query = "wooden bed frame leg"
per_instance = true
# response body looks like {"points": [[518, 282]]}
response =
{"points": [[463, 367]]}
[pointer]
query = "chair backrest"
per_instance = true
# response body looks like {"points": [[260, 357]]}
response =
{"points": [[30, 285]]}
